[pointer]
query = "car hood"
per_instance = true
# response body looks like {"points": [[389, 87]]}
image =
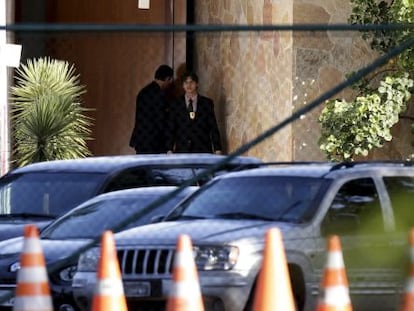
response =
{"points": [[53, 250], [13, 229], [205, 231]]}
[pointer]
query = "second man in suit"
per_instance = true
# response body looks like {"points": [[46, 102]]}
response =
{"points": [[192, 125]]}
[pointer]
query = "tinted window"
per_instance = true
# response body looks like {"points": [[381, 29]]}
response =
{"points": [[401, 192], [90, 221], [46, 193], [355, 207], [176, 176], [290, 199], [128, 179]]}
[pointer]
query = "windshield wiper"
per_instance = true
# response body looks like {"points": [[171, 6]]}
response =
{"points": [[27, 215], [242, 215]]}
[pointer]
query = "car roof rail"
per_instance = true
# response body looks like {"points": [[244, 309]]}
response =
{"points": [[350, 164], [290, 163], [277, 163]]}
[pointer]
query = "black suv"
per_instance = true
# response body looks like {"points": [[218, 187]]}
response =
{"points": [[40, 192]]}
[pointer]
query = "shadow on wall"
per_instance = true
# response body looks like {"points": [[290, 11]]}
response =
{"points": [[177, 89]]}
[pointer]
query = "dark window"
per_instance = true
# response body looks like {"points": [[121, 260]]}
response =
{"points": [[176, 176], [355, 208], [129, 179], [91, 220], [47, 193]]}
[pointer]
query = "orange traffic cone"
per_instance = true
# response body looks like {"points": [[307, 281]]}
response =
{"points": [[334, 289], [109, 291], [185, 294], [32, 291], [274, 291], [408, 297]]}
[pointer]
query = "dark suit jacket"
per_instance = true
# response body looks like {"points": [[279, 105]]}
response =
{"points": [[198, 135], [148, 135]]}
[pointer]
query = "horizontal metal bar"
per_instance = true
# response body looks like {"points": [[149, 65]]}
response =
{"points": [[58, 27]]}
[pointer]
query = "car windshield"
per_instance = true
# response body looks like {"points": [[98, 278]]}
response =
{"points": [[48, 194], [91, 220], [272, 198]]}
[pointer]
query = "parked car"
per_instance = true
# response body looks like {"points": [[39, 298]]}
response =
{"points": [[63, 239], [40, 192], [369, 205]]}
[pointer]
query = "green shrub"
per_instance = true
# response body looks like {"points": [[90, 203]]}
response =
{"points": [[48, 120]]}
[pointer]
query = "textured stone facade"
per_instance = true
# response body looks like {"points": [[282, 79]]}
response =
{"points": [[248, 74], [257, 79]]}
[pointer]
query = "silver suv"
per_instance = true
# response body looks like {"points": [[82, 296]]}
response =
{"points": [[369, 205]]}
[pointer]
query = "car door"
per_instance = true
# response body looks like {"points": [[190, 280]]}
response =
{"points": [[401, 194], [356, 215]]}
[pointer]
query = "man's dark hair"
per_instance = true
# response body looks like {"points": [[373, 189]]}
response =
{"points": [[163, 72], [190, 74]]}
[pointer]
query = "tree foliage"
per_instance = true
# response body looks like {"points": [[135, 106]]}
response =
{"points": [[352, 128], [48, 120]]}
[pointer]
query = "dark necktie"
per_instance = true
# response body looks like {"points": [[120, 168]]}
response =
{"points": [[191, 109], [190, 105]]}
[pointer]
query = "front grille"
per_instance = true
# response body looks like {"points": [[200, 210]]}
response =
{"points": [[146, 261]]}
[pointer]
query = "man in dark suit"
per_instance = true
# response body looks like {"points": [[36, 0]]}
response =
{"points": [[148, 135], [192, 125]]}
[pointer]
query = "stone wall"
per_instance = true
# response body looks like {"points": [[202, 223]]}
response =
{"points": [[248, 74], [322, 59], [258, 78]]}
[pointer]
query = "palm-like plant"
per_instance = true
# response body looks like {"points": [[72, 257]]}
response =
{"points": [[48, 121]]}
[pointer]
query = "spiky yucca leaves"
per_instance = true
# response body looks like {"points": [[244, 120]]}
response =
{"points": [[48, 120]]}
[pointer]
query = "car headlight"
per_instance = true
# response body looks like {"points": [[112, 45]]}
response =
{"points": [[222, 257], [66, 274], [88, 261], [14, 267]]}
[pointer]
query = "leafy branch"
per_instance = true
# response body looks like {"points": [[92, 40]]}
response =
{"points": [[353, 128]]}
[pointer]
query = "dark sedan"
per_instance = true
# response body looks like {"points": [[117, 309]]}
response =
{"points": [[66, 236]]}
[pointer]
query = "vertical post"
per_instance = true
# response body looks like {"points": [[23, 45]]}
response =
{"points": [[4, 117], [9, 56], [189, 53]]}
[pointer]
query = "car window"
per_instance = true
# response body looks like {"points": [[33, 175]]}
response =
{"points": [[355, 208], [176, 176], [47, 193], [290, 199], [164, 176], [90, 221], [401, 192], [128, 179]]}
